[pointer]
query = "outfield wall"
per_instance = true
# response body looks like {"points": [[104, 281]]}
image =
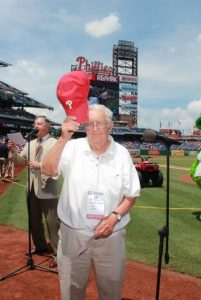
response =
{"points": [[157, 152]]}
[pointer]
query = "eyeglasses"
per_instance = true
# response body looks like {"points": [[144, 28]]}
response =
{"points": [[97, 125]]}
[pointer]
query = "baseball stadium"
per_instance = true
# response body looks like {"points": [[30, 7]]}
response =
{"points": [[163, 237]]}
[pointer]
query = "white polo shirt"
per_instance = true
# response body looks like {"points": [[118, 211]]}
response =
{"points": [[111, 174]]}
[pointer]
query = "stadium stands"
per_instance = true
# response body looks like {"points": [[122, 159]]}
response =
{"points": [[13, 116]]}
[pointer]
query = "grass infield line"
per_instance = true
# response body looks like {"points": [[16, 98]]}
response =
{"points": [[22, 185], [137, 206]]}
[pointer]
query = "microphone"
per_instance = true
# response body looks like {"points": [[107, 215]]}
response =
{"points": [[32, 133], [150, 135]]}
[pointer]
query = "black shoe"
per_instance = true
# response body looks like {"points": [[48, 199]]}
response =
{"points": [[35, 251]]}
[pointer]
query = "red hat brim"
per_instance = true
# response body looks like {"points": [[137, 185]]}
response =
{"points": [[72, 92]]}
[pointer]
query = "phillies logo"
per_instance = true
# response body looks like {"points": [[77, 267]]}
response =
{"points": [[69, 103]]}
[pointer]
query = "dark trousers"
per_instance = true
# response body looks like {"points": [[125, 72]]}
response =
{"points": [[48, 208]]}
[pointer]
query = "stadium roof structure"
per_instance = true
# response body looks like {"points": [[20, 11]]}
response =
{"points": [[4, 64], [13, 116], [19, 98]]}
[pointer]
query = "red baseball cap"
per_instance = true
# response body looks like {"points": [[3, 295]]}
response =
{"points": [[72, 92]]}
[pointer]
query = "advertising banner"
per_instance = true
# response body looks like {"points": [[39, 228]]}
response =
{"points": [[154, 152], [128, 97], [128, 78], [127, 87], [190, 153], [108, 78], [177, 152], [130, 107]]}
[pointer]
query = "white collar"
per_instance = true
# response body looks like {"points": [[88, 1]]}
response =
{"points": [[44, 138]]}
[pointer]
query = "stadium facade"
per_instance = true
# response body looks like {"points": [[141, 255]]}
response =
{"points": [[115, 86]]}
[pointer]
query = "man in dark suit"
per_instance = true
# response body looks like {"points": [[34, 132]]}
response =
{"points": [[3, 158], [3, 150], [43, 189]]}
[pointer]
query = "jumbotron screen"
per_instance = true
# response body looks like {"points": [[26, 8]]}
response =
{"points": [[104, 92]]}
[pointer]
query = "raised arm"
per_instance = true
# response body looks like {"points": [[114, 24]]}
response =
{"points": [[51, 160]]}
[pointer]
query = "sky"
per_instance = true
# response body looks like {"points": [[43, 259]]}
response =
{"points": [[42, 38]]}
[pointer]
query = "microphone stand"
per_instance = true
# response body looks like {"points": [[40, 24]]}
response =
{"points": [[164, 232], [30, 262], [150, 135]]}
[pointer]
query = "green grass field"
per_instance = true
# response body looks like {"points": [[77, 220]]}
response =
{"points": [[147, 218]]}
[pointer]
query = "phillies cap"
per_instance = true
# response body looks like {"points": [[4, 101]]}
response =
{"points": [[72, 92]]}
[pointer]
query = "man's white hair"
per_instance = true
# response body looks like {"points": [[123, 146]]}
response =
{"points": [[98, 107]]}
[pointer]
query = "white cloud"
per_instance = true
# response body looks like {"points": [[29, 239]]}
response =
{"points": [[177, 118], [30, 68], [194, 108], [103, 27]]}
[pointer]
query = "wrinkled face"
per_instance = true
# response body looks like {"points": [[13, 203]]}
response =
{"points": [[43, 127], [97, 127]]}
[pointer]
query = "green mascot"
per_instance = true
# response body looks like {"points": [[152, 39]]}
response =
{"points": [[195, 170]]}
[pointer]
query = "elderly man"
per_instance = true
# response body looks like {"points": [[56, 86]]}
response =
{"points": [[100, 186], [43, 189]]}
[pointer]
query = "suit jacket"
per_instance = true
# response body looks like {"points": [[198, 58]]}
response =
{"points": [[44, 186], [3, 151]]}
